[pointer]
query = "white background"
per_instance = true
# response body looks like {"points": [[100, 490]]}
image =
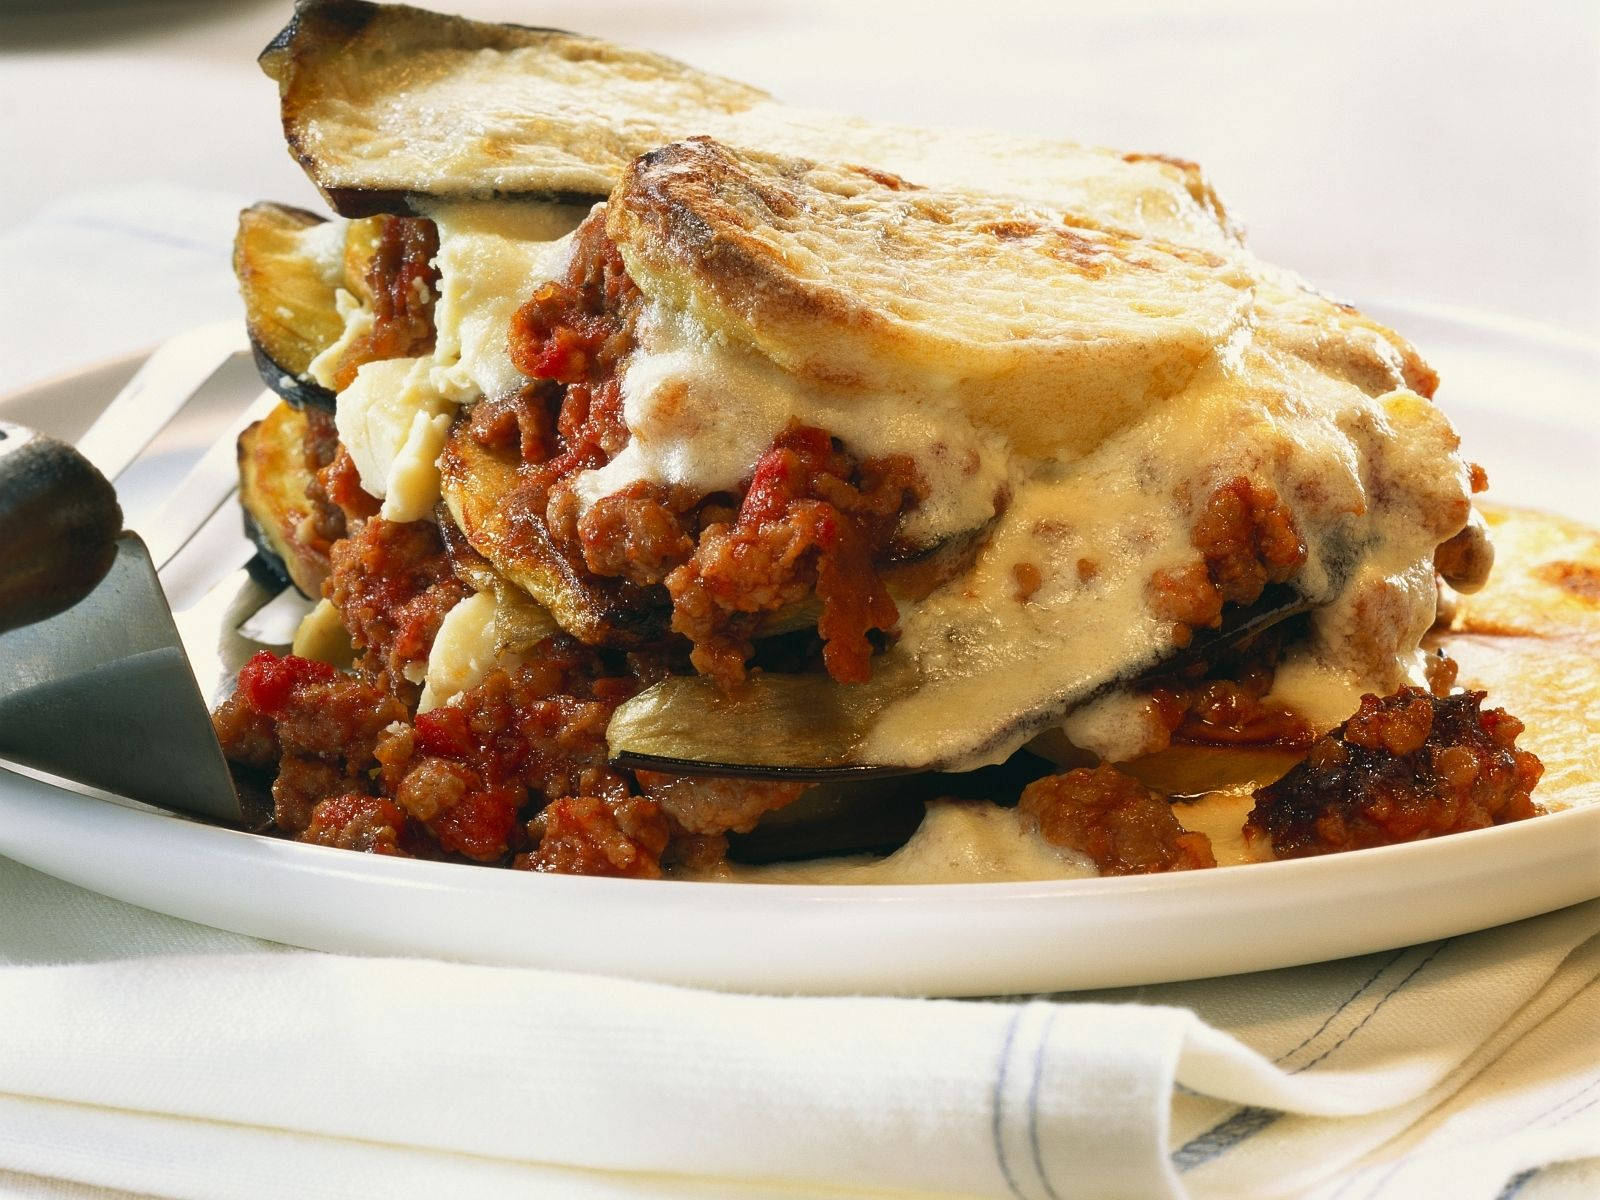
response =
{"points": [[1439, 151]]}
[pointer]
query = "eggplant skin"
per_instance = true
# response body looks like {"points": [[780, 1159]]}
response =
{"points": [[297, 391], [273, 480]]}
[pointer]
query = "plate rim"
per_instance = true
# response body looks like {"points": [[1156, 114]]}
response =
{"points": [[439, 874]]}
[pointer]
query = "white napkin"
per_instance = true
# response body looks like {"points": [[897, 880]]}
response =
{"points": [[203, 1064]]}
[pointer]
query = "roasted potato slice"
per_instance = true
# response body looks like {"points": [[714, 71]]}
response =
{"points": [[273, 480]]}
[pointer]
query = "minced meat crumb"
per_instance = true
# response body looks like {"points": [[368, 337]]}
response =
{"points": [[812, 523], [301, 785], [1229, 712], [404, 284], [512, 772], [590, 835], [1126, 828], [1224, 701], [710, 805], [1247, 538], [319, 727], [320, 447], [570, 339], [642, 533], [393, 583], [357, 821], [340, 483], [1407, 766]]}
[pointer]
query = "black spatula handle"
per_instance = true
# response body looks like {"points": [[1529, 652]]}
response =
{"points": [[59, 521]]}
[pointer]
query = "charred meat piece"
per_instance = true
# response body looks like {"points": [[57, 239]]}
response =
{"points": [[1404, 767]]}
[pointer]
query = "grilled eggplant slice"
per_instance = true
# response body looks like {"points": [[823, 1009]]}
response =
{"points": [[290, 264], [273, 480], [800, 727], [391, 108], [480, 490]]}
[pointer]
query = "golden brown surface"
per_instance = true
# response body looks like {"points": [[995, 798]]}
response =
{"points": [[381, 104], [288, 303], [1531, 640], [849, 276], [276, 476]]}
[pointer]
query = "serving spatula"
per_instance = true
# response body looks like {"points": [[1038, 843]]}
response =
{"points": [[97, 685]]}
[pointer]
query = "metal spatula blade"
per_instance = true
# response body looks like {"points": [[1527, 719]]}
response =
{"points": [[102, 694], [94, 682]]}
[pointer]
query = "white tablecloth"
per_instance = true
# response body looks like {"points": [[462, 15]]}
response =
{"points": [[154, 1057], [145, 1055]]}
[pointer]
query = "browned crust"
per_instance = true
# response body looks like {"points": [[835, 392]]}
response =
{"points": [[734, 236], [273, 482], [685, 203], [322, 31], [270, 280]]}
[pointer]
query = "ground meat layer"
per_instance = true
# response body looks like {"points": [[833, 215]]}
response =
{"points": [[1125, 827], [1404, 767], [319, 446], [513, 772], [393, 583], [403, 284], [810, 524], [316, 731]]}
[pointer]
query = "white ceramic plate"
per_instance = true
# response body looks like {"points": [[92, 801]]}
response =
{"points": [[1522, 398]]}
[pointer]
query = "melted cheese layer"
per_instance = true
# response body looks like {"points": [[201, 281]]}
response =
{"points": [[701, 411]]}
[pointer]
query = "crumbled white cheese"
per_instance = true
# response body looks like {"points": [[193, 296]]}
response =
{"points": [[394, 427], [413, 484], [323, 243], [492, 258], [464, 651], [357, 324], [395, 415], [323, 637]]}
